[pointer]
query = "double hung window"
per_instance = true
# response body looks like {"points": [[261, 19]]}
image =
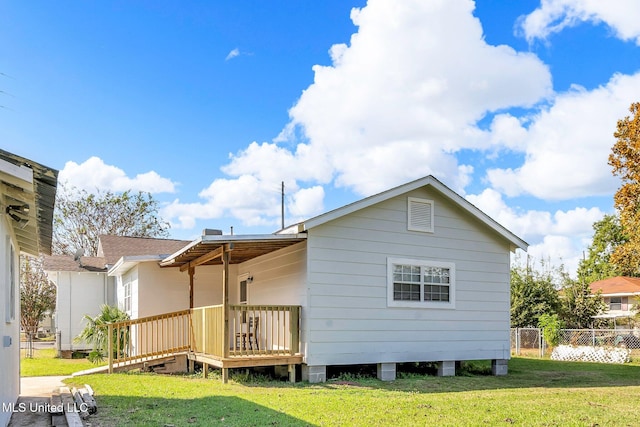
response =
{"points": [[420, 283]]}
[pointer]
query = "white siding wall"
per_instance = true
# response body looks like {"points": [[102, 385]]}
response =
{"points": [[348, 321], [79, 294], [9, 330], [163, 290], [279, 278], [207, 285]]}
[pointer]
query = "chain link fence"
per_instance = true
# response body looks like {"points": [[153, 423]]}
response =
{"points": [[529, 341]]}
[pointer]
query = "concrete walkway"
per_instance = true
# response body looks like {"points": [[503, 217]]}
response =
{"points": [[35, 393]]}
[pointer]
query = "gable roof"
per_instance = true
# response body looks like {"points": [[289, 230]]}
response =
{"points": [[25, 183], [620, 285], [112, 248], [515, 241], [68, 263]]}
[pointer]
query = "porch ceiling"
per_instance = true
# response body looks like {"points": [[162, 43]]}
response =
{"points": [[207, 250]]}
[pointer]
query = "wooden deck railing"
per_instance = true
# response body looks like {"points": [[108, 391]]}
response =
{"points": [[264, 330], [140, 339], [207, 324], [254, 330]]}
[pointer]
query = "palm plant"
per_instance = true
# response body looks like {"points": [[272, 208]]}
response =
{"points": [[96, 333]]}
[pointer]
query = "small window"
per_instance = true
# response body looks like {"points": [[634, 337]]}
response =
{"points": [[127, 297], [243, 291], [420, 215], [615, 303], [420, 283]]}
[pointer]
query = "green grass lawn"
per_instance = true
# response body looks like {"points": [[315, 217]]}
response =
{"points": [[44, 363], [536, 392]]}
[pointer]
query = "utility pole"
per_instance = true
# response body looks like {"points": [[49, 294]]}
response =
{"points": [[282, 204]]}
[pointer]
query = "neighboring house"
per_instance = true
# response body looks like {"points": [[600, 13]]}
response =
{"points": [[27, 191], [413, 274], [135, 259], [83, 285], [622, 296]]}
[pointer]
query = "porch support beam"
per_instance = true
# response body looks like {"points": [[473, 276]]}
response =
{"points": [[216, 253], [192, 272], [292, 373], [225, 301]]}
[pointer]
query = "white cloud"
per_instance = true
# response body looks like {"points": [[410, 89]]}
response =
{"points": [[555, 15], [568, 144], [253, 201], [93, 174], [407, 92], [234, 52], [559, 236]]}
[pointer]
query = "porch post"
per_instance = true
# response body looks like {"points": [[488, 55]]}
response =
{"points": [[225, 301], [110, 346], [192, 271]]}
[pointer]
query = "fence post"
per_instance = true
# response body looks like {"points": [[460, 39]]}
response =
{"points": [[593, 337], [110, 346], [541, 343]]}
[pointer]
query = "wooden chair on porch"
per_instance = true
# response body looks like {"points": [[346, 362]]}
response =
{"points": [[248, 337]]}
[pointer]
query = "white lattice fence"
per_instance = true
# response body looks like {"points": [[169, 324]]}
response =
{"points": [[589, 345], [591, 354]]}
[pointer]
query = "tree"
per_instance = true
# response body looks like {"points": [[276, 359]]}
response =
{"points": [[551, 326], [607, 236], [625, 160], [96, 333], [579, 305], [81, 217], [37, 294], [532, 295]]}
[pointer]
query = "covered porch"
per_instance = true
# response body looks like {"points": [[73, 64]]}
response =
{"points": [[238, 332], [255, 336]]}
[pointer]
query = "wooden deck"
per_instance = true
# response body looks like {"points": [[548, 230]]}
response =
{"points": [[240, 336]]}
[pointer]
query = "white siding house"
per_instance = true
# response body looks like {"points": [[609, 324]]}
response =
{"points": [[413, 274], [82, 287], [27, 194], [384, 289]]}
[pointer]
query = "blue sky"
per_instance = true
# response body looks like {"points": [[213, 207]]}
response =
{"points": [[211, 105]]}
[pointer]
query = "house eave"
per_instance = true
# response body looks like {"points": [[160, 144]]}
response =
{"points": [[126, 263]]}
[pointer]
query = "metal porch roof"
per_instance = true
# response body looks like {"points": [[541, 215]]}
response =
{"points": [[243, 248]]}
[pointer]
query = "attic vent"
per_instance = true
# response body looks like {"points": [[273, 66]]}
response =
{"points": [[420, 215]]}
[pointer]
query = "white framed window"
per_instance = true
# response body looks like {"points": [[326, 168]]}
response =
{"points": [[420, 215], [616, 303], [420, 283], [127, 297]]}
